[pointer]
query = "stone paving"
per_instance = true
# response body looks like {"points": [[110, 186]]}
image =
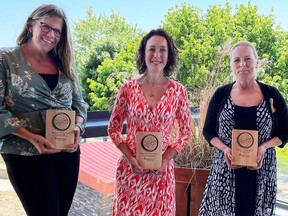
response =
{"points": [[89, 202], [86, 202]]}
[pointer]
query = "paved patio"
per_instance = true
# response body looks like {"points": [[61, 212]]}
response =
{"points": [[94, 193]]}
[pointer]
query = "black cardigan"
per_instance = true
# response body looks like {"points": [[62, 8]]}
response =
{"points": [[279, 118]]}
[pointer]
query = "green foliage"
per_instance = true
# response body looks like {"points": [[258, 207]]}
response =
{"points": [[105, 48], [198, 45], [198, 35], [282, 155], [280, 83], [98, 40], [111, 74]]}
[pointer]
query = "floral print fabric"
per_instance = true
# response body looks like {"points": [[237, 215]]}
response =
{"points": [[24, 97]]}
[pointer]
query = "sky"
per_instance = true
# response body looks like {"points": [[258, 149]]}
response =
{"points": [[146, 14]]}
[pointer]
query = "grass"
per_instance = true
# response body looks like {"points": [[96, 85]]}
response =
{"points": [[282, 159]]}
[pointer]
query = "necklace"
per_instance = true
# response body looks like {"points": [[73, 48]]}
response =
{"points": [[151, 94], [154, 86]]}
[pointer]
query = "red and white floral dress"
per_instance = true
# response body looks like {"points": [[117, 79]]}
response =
{"points": [[147, 194]]}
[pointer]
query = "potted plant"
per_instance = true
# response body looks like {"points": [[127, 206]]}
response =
{"points": [[193, 164]]}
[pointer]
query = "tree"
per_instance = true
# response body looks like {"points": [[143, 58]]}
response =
{"points": [[105, 48], [97, 40], [199, 34], [111, 74]]}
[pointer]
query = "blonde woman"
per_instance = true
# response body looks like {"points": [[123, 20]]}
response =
{"points": [[244, 104], [37, 75]]}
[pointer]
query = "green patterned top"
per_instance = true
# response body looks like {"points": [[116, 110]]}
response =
{"points": [[24, 97]]}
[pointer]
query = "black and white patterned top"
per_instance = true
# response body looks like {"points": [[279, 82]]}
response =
{"points": [[228, 190]]}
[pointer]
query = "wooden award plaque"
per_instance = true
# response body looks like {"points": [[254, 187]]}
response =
{"points": [[244, 147], [149, 149], [59, 127]]}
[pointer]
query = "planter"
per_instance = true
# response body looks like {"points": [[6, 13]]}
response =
{"points": [[190, 184]]}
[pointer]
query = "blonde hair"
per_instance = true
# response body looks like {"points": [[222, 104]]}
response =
{"points": [[244, 43], [248, 44]]}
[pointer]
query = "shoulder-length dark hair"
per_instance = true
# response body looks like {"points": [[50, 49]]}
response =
{"points": [[172, 63], [63, 52]]}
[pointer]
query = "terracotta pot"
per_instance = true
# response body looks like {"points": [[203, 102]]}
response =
{"points": [[190, 184]]}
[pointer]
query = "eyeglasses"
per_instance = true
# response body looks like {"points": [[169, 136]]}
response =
{"points": [[47, 28]]}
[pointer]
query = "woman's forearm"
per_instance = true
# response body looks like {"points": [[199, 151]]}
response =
{"points": [[216, 142], [275, 141]]}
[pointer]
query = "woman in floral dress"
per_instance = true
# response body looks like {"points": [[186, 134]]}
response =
{"points": [[150, 103]]}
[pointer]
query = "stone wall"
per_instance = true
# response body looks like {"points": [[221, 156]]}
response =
{"points": [[89, 202]]}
